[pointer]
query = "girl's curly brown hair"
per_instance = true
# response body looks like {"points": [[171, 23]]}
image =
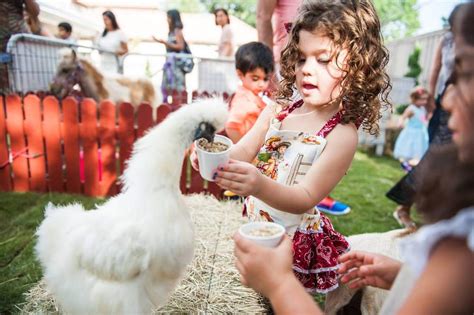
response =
{"points": [[351, 25]]}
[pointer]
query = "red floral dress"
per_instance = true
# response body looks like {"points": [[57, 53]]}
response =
{"points": [[286, 156]]}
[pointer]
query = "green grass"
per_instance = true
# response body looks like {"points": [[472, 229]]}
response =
{"points": [[363, 188]]}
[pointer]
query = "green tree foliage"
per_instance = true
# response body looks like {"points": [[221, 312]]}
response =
{"points": [[414, 68], [186, 6], [245, 10], [399, 18]]}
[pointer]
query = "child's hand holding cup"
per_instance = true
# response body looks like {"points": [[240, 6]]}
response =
{"points": [[266, 234], [212, 155]]}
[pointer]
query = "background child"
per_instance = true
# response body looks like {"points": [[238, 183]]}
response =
{"points": [[412, 142], [254, 65], [65, 31], [342, 84]]}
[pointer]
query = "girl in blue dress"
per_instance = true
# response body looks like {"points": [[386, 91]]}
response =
{"points": [[412, 142]]}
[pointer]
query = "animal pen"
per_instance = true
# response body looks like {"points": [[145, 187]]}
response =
{"points": [[72, 145]]}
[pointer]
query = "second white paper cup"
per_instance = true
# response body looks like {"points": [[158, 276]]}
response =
{"points": [[210, 161]]}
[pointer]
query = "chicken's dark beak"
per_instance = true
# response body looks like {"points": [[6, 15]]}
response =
{"points": [[205, 130]]}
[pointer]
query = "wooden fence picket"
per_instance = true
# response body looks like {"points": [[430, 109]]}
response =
{"points": [[34, 134], [70, 134], [108, 145], [52, 137], [162, 112], [5, 177], [18, 148], [126, 133], [144, 119], [90, 147]]}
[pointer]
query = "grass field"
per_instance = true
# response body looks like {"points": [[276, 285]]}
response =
{"points": [[363, 189]]}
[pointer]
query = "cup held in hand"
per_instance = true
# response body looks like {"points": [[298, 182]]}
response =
{"points": [[266, 234], [210, 161]]}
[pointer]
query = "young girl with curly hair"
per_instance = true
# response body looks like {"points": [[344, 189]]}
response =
{"points": [[335, 59]]}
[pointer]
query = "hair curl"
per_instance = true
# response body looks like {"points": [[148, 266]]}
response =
{"points": [[351, 25]]}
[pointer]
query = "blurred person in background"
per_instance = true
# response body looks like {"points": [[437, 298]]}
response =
{"points": [[12, 21], [112, 40], [174, 77], [65, 32], [226, 42]]}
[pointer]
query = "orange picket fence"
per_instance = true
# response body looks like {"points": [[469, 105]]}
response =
{"points": [[52, 146]]}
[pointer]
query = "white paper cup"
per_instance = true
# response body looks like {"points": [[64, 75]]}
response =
{"points": [[210, 161], [267, 241]]}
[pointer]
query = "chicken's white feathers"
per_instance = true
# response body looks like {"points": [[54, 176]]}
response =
{"points": [[127, 255]]}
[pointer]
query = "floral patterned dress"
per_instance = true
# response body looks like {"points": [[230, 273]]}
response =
{"points": [[286, 157]]}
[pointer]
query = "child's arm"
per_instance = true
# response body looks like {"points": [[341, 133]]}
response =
{"points": [[249, 145], [244, 179], [269, 271], [406, 114]]}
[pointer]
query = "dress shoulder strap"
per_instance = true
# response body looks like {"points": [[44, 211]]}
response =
{"points": [[325, 130], [330, 124], [285, 112]]}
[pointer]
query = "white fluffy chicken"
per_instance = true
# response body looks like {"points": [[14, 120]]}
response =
{"points": [[128, 255]]}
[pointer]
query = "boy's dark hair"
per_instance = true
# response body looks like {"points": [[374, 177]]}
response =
{"points": [[66, 26], [254, 55]]}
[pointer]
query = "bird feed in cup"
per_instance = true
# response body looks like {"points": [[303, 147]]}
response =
{"points": [[267, 234], [211, 155]]}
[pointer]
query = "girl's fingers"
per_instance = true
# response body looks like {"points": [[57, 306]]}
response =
{"points": [[357, 284], [355, 254], [348, 265], [229, 185], [241, 244], [351, 275], [234, 166], [235, 177]]}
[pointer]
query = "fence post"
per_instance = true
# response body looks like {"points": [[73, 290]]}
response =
{"points": [[5, 179]]}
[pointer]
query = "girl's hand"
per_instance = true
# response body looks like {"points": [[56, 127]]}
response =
{"points": [[239, 177], [362, 269], [261, 268]]}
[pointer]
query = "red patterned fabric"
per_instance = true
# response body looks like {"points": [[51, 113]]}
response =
{"points": [[315, 254], [325, 130]]}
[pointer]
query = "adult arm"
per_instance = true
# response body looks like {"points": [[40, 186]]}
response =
{"points": [[179, 45], [226, 49], [265, 10], [447, 283], [269, 272], [435, 69], [406, 115], [32, 8], [226, 43], [123, 49]]}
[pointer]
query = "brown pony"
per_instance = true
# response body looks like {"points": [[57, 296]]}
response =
{"points": [[75, 74]]}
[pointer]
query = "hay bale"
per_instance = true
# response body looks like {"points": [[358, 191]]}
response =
{"points": [[211, 284]]}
